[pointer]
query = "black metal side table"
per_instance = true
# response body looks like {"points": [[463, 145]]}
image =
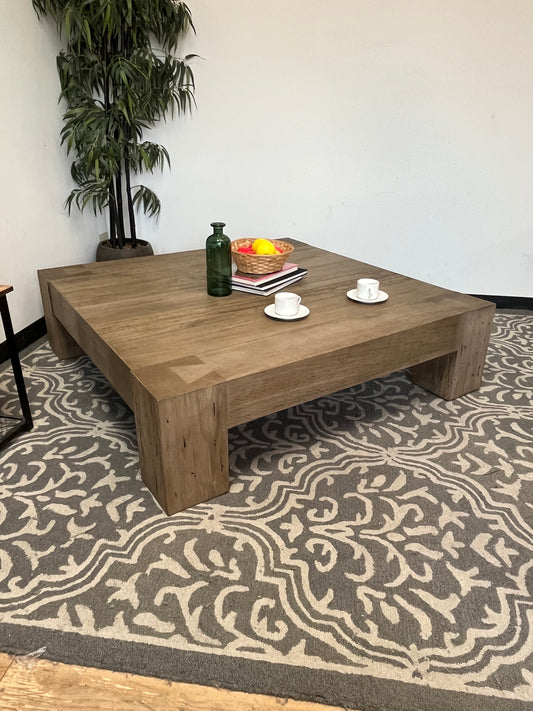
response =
{"points": [[9, 426]]}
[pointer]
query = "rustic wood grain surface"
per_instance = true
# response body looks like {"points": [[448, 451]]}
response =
{"points": [[40, 685]]}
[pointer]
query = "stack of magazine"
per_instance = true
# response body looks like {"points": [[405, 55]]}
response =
{"points": [[266, 284]]}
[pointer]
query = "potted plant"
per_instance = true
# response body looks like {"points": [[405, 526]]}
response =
{"points": [[119, 76]]}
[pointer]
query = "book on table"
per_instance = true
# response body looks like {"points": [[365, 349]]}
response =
{"points": [[266, 284], [257, 279]]}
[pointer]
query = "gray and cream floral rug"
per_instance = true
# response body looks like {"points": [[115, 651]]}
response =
{"points": [[374, 551]]}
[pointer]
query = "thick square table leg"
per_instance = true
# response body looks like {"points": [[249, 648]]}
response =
{"points": [[461, 371], [183, 445], [61, 342]]}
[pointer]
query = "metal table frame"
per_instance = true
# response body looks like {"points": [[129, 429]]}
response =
{"points": [[10, 426]]}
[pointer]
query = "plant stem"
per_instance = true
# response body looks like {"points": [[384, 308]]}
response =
{"points": [[112, 216], [131, 212], [121, 230], [112, 204]]}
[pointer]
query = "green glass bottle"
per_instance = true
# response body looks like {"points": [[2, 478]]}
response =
{"points": [[218, 261]]}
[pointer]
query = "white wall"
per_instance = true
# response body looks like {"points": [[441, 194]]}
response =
{"points": [[397, 132], [35, 231]]}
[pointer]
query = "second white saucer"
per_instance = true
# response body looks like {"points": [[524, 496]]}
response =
{"points": [[303, 311], [382, 296]]}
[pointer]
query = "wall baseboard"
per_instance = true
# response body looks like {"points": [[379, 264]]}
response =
{"points": [[24, 338], [509, 302], [37, 329]]}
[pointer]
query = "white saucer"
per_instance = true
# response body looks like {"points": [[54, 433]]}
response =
{"points": [[303, 311], [382, 296]]}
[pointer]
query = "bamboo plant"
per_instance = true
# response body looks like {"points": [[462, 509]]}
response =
{"points": [[119, 76]]}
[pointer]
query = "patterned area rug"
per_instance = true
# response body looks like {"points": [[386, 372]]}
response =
{"points": [[374, 552]]}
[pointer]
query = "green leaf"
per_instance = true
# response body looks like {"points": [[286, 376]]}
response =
{"points": [[88, 32]]}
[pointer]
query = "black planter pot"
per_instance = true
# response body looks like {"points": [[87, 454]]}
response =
{"points": [[106, 253]]}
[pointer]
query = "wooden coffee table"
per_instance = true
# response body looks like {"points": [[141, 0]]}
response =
{"points": [[191, 366]]}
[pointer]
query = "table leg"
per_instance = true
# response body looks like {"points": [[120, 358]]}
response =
{"points": [[15, 364], [461, 371], [61, 342], [183, 445]]}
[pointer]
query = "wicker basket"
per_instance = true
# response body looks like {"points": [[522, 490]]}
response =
{"points": [[260, 263]]}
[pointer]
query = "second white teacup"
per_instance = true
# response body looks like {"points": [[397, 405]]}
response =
{"points": [[367, 289], [286, 303]]}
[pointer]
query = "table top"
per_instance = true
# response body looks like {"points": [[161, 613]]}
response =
{"points": [[155, 310], [5, 289]]}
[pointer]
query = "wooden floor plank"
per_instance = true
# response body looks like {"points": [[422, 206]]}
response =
{"points": [[40, 685], [5, 661]]}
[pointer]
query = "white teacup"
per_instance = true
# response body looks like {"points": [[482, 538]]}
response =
{"points": [[367, 289], [286, 303]]}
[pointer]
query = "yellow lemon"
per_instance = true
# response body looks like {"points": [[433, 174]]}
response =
{"points": [[265, 247], [257, 242]]}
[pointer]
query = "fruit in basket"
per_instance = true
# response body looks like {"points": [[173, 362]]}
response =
{"points": [[257, 242], [266, 247], [246, 250]]}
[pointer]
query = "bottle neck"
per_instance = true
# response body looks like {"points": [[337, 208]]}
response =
{"points": [[218, 227]]}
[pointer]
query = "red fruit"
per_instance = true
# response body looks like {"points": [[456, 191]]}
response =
{"points": [[246, 250]]}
